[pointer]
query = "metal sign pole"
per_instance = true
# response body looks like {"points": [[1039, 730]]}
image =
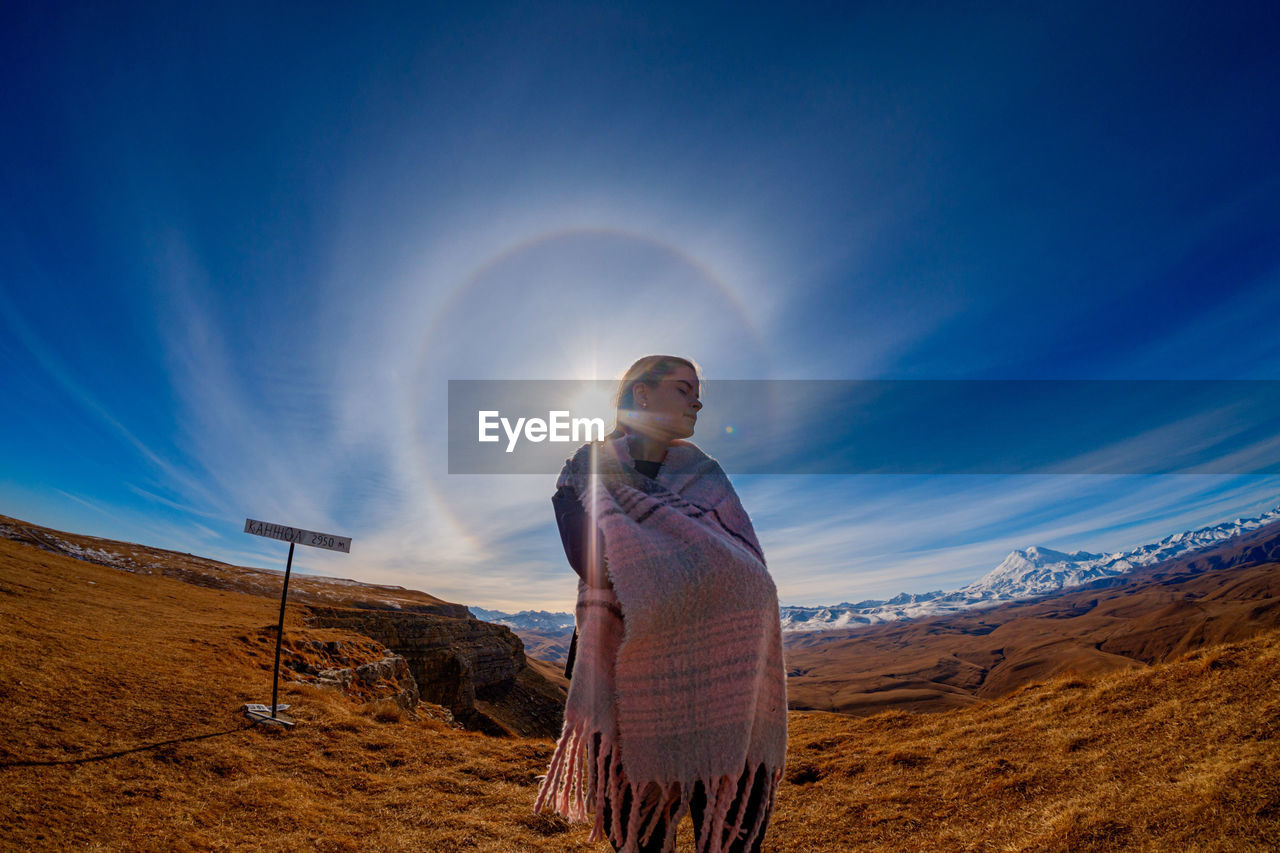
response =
{"points": [[292, 535], [275, 680]]}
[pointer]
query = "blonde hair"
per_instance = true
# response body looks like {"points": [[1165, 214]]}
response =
{"points": [[650, 370]]}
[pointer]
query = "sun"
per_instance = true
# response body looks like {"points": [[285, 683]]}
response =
{"points": [[594, 400]]}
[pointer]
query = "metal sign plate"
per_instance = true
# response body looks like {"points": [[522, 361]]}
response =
{"points": [[297, 535]]}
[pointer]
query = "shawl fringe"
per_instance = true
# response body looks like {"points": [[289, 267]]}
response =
{"points": [[577, 787]]}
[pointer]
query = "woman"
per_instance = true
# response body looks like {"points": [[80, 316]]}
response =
{"points": [[677, 702]]}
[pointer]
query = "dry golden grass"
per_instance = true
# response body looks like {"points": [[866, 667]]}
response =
{"points": [[1182, 756], [121, 699]]}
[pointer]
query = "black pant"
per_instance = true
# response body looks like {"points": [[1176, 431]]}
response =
{"points": [[697, 805]]}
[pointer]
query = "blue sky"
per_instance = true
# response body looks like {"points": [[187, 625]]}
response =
{"points": [[244, 248]]}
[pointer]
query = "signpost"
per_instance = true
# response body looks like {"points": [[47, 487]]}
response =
{"points": [[294, 536]]}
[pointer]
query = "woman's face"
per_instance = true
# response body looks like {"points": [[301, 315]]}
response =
{"points": [[669, 410]]}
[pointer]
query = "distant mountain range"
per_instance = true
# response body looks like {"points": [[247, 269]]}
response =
{"points": [[526, 620], [1035, 571], [1023, 574]]}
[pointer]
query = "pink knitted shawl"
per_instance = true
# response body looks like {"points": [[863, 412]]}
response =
{"points": [[679, 669]]}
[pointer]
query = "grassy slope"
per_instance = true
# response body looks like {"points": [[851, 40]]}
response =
{"points": [[121, 697]]}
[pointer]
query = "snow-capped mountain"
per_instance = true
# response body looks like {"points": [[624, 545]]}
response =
{"points": [[846, 615], [526, 620], [1023, 574]]}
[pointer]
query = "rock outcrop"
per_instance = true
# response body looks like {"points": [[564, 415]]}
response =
{"points": [[392, 669], [363, 669], [476, 669]]}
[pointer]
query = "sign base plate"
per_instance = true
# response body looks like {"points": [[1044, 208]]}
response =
{"points": [[262, 714]]}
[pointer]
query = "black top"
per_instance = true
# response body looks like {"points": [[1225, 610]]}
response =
{"points": [[649, 469], [571, 518]]}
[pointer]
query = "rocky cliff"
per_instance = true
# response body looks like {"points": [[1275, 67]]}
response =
{"points": [[476, 669]]}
